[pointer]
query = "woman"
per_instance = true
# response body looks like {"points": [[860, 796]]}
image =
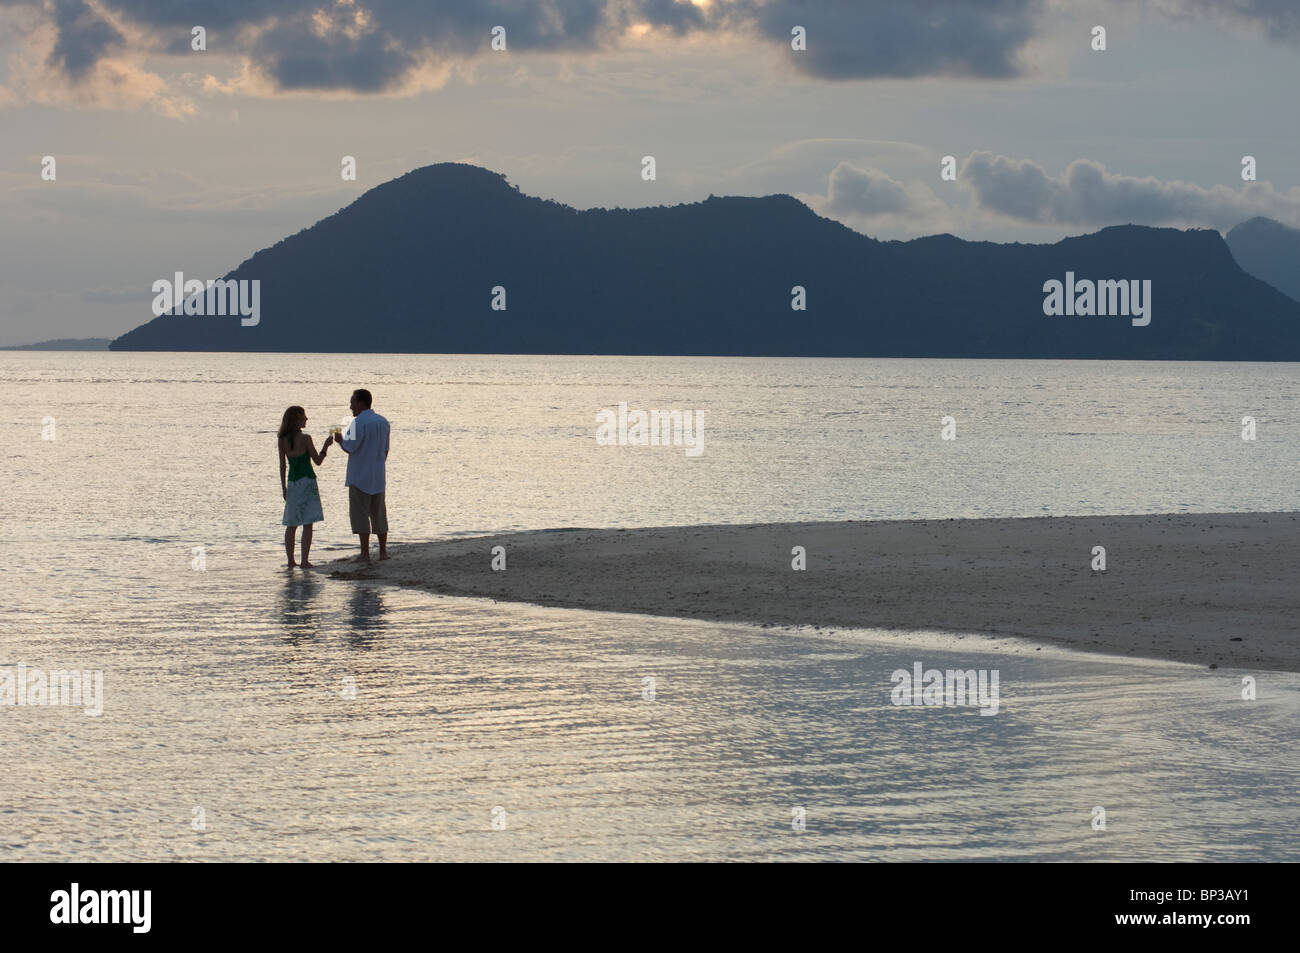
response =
{"points": [[301, 497]]}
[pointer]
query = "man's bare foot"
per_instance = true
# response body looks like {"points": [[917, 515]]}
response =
{"points": [[363, 559], [383, 555], [291, 566], [307, 565]]}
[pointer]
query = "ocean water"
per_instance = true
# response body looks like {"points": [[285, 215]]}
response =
{"points": [[255, 714]]}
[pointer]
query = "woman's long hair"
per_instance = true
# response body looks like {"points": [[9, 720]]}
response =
{"points": [[289, 423]]}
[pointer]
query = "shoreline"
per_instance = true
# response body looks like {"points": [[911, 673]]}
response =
{"points": [[1207, 588]]}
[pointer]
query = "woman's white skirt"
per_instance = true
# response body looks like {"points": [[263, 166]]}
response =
{"points": [[302, 503]]}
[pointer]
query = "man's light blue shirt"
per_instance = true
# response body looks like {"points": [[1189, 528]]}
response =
{"points": [[367, 451]]}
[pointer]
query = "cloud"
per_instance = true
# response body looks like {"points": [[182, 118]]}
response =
{"points": [[368, 63], [366, 47], [71, 54], [1277, 19], [396, 47], [869, 199], [866, 192], [994, 192], [1087, 194], [885, 38], [84, 37], [361, 47]]}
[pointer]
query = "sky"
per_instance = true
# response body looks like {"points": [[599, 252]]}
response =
{"points": [[170, 158]]}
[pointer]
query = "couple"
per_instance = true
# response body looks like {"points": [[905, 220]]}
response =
{"points": [[365, 441]]}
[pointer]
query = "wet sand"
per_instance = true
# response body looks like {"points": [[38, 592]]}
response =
{"points": [[1208, 589]]}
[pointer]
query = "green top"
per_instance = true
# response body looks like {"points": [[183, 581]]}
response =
{"points": [[300, 466]]}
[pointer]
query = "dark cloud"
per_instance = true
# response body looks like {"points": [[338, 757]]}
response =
{"points": [[876, 38], [680, 18], [299, 60], [369, 46], [181, 15], [84, 37]]}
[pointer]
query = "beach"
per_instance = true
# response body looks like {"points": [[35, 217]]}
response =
{"points": [[1207, 589]]}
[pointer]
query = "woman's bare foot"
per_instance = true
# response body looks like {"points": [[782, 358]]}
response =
{"points": [[292, 565], [306, 565], [383, 556]]}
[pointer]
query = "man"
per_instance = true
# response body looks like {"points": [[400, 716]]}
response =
{"points": [[366, 443]]}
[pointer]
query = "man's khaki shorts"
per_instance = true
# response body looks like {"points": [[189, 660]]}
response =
{"points": [[367, 512]]}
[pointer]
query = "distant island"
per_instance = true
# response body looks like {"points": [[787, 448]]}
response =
{"points": [[451, 258], [63, 344]]}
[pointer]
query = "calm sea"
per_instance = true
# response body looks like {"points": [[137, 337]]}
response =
{"points": [[249, 713]]}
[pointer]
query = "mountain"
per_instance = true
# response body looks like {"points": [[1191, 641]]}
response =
{"points": [[1270, 251], [411, 264], [62, 344]]}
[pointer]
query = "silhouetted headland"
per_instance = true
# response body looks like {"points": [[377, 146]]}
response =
{"points": [[415, 265]]}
